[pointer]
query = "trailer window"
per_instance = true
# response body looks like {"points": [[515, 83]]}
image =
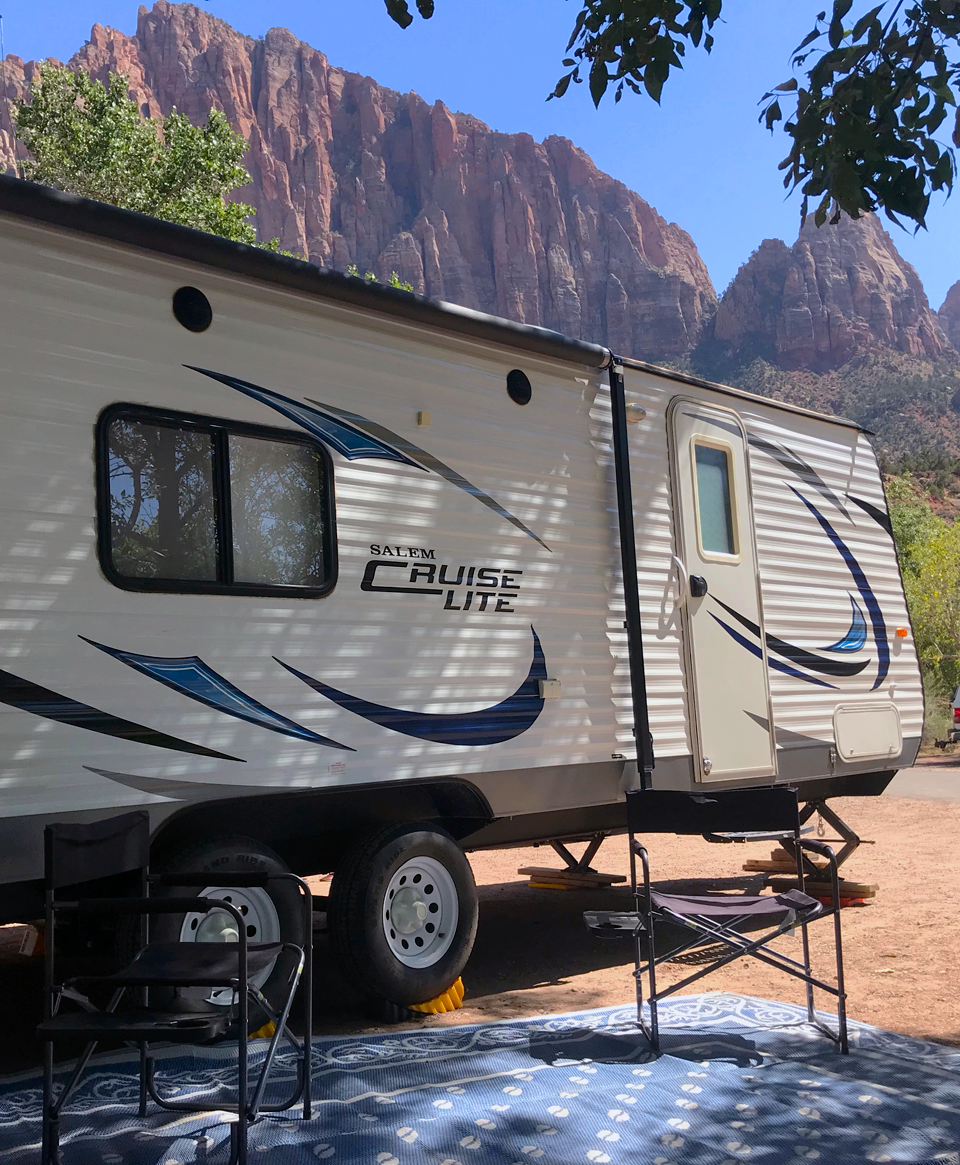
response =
{"points": [[274, 494], [714, 506], [162, 510], [193, 504]]}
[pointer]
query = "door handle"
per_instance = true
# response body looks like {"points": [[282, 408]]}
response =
{"points": [[684, 579], [698, 586]]}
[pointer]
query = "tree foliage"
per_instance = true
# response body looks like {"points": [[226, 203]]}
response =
{"points": [[871, 90], [90, 139], [928, 547], [370, 277]]}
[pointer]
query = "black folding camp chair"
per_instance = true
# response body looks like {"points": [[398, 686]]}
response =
{"points": [[117, 849], [725, 921]]}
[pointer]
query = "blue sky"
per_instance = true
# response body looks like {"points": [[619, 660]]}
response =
{"points": [[701, 158]]}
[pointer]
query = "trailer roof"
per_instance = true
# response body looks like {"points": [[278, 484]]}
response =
{"points": [[688, 378], [67, 211], [43, 204]]}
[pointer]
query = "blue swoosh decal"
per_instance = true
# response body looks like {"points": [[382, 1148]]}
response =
{"points": [[866, 592], [357, 438], [351, 442], [774, 663], [856, 637], [492, 725], [190, 676]]}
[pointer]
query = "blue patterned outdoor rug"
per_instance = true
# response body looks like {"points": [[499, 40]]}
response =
{"points": [[739, 1080]]}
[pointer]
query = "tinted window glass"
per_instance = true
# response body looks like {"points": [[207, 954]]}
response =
{"points": [[713, 501], [275, 495], [162, 509], [193, 504]]}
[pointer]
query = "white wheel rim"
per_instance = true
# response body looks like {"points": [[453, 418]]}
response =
{"points": [[419, 912], [262, 922]]}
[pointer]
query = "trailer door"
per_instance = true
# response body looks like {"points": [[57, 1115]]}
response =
{"points": [[719, 589]]}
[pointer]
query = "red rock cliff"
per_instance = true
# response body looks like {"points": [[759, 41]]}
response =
{"points": [[345, 171], [839, 290], [949, 315]]}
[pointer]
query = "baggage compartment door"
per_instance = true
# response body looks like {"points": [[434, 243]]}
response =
{"points": [[719, 594]]}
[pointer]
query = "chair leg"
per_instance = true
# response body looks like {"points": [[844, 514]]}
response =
{"points": [[654, 1019], [811, 1006], [841, 993], [49, 1153], [142, 1110], [307, 987]]}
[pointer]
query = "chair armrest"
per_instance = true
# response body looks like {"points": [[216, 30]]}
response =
{"points": [[818, 847], [204, 879]]}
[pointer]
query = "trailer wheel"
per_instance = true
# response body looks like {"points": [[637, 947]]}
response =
{"points": [[274, 914], [402, 913]]}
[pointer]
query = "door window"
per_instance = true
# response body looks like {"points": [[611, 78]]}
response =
{"points": [[716, 508]]}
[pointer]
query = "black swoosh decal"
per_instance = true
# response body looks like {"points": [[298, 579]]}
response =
{"points": [[784, 735], [174, 790], [754, 649], [827, 667], [795, 463], [30, 697], [428, 461], [787, 458], [879, 516]]}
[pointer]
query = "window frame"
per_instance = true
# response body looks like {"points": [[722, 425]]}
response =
{"points": [[221, 430], [727, 449]]}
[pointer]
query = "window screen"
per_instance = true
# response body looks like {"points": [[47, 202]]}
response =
{"points": [[714, 511], [194, 504]]}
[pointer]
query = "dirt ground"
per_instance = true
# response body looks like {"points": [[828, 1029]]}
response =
{"points": [[533, 955]]}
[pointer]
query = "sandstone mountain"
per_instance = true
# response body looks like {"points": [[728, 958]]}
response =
{"points": [[950, 315], [837, 292], [345, 171]]}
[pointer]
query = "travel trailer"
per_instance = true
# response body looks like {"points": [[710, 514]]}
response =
{"points": [[331, 577]]}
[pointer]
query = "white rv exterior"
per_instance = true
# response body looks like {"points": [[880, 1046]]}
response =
{"points": [[463, 658]]}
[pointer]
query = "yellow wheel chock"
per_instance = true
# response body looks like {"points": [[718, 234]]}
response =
{"points": [[264, 1033], [450, 1000]]}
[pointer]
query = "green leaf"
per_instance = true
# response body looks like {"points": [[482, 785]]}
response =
{"points": [[599, 79], [562, 86], [865, 21], [398, 12]]}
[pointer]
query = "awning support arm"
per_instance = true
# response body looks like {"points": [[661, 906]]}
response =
{"points": [[628, 563]]}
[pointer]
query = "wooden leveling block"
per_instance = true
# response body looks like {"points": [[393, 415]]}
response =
{"points": [[577, 875], [781, 868]]}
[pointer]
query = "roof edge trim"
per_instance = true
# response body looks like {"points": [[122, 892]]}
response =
{"points": [[55, 208]]}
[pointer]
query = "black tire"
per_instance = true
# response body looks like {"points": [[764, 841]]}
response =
{"points": [[240, 855], [356, 908]]}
